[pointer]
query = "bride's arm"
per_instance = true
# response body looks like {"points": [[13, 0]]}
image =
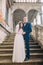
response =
{"points": [[23, 32]]}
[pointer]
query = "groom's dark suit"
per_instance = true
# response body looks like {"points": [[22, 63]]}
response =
{"points": [[27, 27]]}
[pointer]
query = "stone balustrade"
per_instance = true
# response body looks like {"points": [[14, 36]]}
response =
{"points": [[37, 32]]}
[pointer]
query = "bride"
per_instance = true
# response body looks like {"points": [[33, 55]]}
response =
{"points": [[19, 45]]}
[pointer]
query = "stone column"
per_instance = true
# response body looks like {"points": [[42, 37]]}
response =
{"points": [[4, 8], [10, 20], [41, 0], [36, 30], [1, 5], [34, 22], [41, 14], [38, 19]]}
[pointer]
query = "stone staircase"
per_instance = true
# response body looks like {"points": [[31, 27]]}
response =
{"points": [[6, 51]]}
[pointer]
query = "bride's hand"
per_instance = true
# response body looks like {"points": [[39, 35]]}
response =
{"points": [[24, 33]]}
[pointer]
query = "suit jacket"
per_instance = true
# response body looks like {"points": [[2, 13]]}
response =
{"points": [[27, 28]]}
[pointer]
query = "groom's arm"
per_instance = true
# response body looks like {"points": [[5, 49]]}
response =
{"points": [[29, 29]]}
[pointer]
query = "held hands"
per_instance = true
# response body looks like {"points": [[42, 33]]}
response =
{"points": [[23, 33]]}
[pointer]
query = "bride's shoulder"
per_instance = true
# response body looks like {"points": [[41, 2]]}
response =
{"points": [[17, 25]]}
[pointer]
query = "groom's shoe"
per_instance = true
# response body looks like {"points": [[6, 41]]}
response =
{"points": [[26, 59]]}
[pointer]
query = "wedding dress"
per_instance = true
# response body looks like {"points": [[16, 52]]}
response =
{"points": [[19, 46]]}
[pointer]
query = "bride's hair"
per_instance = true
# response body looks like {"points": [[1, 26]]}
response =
{"points": [[20, 24]]}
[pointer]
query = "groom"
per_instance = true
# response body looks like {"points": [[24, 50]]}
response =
{"points": [[27, 28]]}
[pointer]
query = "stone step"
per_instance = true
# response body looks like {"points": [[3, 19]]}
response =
{"points": [[32, 55], [12, 37], [31, 49], [7, 43], [11, 46], [29, 62], [36, 50], [6, 46], [12, 34], [2, 50], [36, 55], [10, 50], [11, 40], [35, 46], [5, 55], [33, 43]]}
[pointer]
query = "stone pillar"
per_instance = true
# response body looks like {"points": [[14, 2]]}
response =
{"points": [[38, 19], [34, 22], [41, 0], [10, 20], [4, 8], [41, 14], [27, 0], [0, 4], [36, 30]]}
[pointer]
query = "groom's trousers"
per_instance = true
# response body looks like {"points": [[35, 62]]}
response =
{"points": [[27, 49]]}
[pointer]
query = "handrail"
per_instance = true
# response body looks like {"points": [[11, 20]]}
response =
{"points": [[38, 29], [38, 34], [5, 28], [39, 26]]}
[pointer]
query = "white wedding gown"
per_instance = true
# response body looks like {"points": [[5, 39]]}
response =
{"points": [[19, 47]]}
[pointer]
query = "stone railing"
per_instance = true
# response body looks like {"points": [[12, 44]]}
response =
{"points": [[38, 34], [4, 28], [26, 1], [3, 33]]}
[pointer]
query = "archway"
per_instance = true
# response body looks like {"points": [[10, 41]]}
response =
{"points": [[18, 16], [32, 14]]}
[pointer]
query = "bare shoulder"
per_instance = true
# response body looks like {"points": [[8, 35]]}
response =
{"points": [[17, 26]]}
